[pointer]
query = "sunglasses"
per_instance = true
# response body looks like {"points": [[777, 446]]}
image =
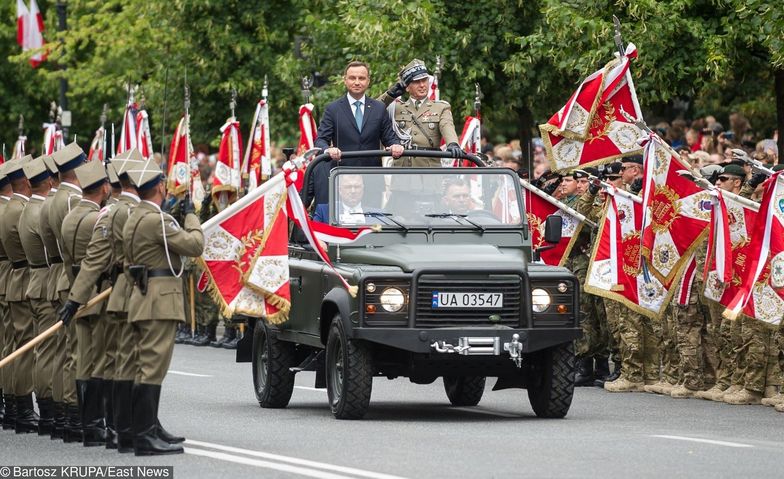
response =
{"points": [[726, 178]]}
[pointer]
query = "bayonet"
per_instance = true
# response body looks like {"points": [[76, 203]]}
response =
{"points": [[618, 38], [307, 83]]}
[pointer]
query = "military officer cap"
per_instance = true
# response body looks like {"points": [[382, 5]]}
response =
{"points": [[586, 172], [111, 172], [69, 157], [50, 165], [146, 176], [612, 171], [3, 179], [636, 159], [91, 174], [36, 170], [13, 168], [415, 70], [778, 167], [133, 159], [733, 170]]}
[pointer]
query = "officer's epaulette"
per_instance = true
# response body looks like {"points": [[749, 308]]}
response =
{"points": [[441, 101]]}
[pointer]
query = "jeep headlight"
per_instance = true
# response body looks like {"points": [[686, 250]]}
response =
{"points": [[540, 300], [392, 300]]}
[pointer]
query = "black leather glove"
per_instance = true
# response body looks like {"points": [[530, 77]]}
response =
{"points": [[455, 149], [757, 179], [636, 186], [67, 311], [186, 205], [396, 90], [594, 187]]}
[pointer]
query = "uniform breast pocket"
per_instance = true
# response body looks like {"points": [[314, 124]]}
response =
{"points": [[170, 302], [432, 121]]}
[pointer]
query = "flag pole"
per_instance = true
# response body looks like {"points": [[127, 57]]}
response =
{"points": [[192, 289]]}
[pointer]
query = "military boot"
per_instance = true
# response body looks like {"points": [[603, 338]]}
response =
{"points": [[9, 419], [26, 418], [229, 334], [584, 375], [233, 343], [46, 416], [779, 407], [93, 427], [197, 337], [2, 406], [682, 392], [207, 338], [602, 368], [774, 400], [167, 436], [743, 397], [107, 391], [712, 394], [655, 388], [730, 390], [145, 423], [623, 385], [123, 417], [183, 334], [58, 423], [666, 388]]}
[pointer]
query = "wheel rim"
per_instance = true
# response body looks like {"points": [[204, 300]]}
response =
{"points": [[263, 363], [337, 369]]}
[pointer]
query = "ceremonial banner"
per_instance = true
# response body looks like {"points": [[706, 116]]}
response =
{"points": [[97, 145], [677, 211], [307, 129], [183, 174], [257, 162], [128, 136], [761, 292], [143, 137], [590, 129], [539, 206], [227, 169], [19, 148], [53, 138], [616, 270], [29, 30], [434, 94]]}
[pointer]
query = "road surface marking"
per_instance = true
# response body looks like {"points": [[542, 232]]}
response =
{"points": [[302, 471], [311, 389], [484, 411], [706, 441], [182, 373], [292, 460]]}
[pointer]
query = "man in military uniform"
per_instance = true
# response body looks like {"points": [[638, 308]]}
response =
{"points": [[6, 330], [16, 287], [65, 200], [79, 228], [153, 244], [43, 314], [420, 122], [55, 268]]}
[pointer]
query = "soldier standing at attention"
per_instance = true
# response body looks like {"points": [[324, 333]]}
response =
{"points": [[54, 262], [154, 244], [67, 197], [6, 330], [80, 226], [420, 122], [43, 314], [16, 287]]}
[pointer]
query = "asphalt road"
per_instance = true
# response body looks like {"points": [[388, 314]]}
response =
{"points": [[412, 432]]}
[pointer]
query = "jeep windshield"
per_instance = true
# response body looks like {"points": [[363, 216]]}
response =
{"points": [[402, 198]]}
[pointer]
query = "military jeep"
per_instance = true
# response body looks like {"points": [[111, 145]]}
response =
{"points": [[446, 289]]}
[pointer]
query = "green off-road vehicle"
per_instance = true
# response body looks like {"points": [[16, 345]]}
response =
{"points": [[446, 289]]}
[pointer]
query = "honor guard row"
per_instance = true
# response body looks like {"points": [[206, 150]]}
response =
{"points": [[69, 230]]}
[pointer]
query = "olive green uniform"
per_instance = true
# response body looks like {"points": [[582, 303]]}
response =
{"points": [[6, 329]]}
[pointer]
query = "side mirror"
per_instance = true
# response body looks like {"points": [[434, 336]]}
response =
{"points": [[552, 229]]}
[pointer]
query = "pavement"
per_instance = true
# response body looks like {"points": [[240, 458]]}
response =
{"points": [[411, 431]]}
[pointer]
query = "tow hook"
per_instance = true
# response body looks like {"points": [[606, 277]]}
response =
{"points": [[515, 349], [468, 346]]}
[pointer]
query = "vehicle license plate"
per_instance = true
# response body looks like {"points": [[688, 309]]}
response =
{"points": [[467, 300]]}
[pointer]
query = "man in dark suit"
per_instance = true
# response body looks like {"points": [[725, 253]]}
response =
{"points": [[355, 122]]}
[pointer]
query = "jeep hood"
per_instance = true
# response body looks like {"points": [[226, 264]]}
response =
{"points": [[409, 257]]}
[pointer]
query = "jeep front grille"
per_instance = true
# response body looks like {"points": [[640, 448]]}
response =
{"points": [[428, 317]]}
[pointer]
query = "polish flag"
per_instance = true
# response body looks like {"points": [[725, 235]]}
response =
{"points": [[128, 136], [257, 164], [29, 30], [143, 136]]}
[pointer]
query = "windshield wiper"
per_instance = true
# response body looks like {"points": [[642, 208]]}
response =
{"points": [[457, 218], [384, 217]]}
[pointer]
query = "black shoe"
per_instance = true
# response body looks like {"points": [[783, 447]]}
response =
{"points": [[197, 336], [233, 343], [73, 424], [584, 376], [229, 334], [93, 427], [145, 423], [183, 334], [9, 418], [602, 368], [167, 436], [123, 418], [26, 418], [207, 337], [46, 416], [58, 424], [107, 390]]}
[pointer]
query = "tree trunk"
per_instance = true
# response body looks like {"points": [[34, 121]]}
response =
{"points": [[779, 80]]}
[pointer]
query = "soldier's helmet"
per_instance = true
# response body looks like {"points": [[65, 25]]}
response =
{"points": [[415, 70]]}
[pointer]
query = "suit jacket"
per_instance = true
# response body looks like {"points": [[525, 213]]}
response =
{"points": [[339, 128]]}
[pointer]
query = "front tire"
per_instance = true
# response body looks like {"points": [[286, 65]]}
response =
{"points": [[349, 373], [464, 390], [551, 381], [273, 382]]}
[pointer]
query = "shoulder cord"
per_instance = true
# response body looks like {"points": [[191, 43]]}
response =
{"points": [[166, 248], [76, 236], [128, 253]]}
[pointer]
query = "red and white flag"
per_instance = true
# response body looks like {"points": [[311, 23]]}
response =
{"points": [[143, 136], [591, 128], [19, 148], [53, 138], [98, 145], [471, 137], [30, 31], [616, 268], [677, 211], [540, 205], [257, 163], [128, 136], [434, 94], [227, 169], [761, 292], [307, 129], [183, 173]]}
